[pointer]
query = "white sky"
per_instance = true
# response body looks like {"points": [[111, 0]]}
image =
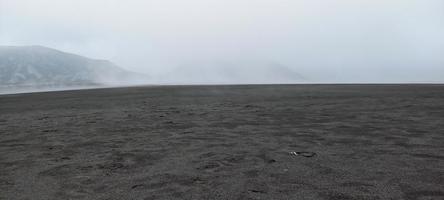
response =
{"points": [[325, 40]]}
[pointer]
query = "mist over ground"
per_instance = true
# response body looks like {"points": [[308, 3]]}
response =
{"points": [[186, 41], [207, 99]]}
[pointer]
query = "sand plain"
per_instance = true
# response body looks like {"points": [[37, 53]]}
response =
{"points": [[224, 142]]}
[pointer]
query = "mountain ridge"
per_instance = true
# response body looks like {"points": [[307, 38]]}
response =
{"points": [[39, 66], [232, 72]]}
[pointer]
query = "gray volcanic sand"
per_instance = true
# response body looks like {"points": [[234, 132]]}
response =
{"points": [[224, 142]]}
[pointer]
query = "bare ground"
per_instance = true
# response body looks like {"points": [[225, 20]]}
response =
{"points": [[224, 142]]}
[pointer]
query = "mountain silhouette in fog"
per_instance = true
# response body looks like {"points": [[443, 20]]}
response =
{"points": [[233, 73], [37, 66]]}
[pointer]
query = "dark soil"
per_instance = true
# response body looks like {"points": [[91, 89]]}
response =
{"points": [[224, 142]]}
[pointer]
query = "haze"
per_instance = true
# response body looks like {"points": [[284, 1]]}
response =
{"points": [[323, 40]]}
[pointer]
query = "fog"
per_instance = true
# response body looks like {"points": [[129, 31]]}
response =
{"points": [[323, 41]]}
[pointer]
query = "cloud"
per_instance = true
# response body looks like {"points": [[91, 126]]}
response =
{"points": [[329, 41]]}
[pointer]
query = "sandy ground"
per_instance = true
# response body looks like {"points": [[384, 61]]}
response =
{"points": [[224, 142]]}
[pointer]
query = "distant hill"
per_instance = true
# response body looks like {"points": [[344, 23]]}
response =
{"points": [[37, 66], [233, 73]]}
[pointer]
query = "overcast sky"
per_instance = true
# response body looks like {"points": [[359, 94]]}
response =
{"points": [[324, 40]]}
